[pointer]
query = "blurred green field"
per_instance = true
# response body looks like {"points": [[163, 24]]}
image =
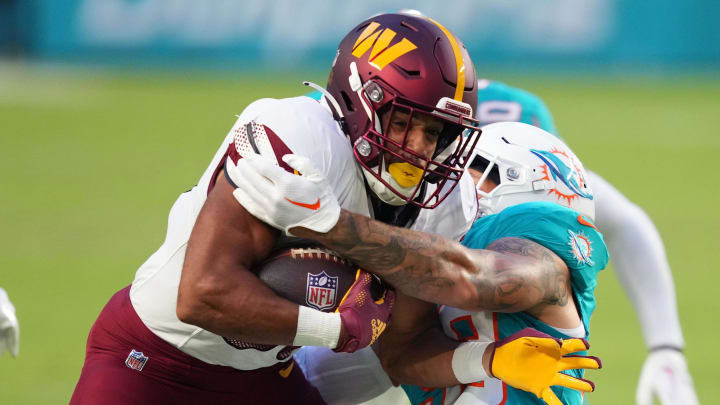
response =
{"points": [[92, 162]]}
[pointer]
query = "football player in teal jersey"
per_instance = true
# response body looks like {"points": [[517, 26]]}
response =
{"points": [[637, 250], [530, 187]]}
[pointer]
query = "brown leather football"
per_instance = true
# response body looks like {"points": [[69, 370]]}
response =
{"points": [[313, 276]]}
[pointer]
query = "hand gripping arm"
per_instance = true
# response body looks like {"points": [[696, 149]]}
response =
{"points": [[282, 200], [533, 361]]}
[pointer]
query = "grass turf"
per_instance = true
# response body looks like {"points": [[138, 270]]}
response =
{"points": [[92, 162]]}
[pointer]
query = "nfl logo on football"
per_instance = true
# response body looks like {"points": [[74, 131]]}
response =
{"points": [[136, 360], [321, 291]]}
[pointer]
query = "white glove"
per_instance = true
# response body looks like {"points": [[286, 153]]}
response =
{"points": [[9, 328], [282, 199], [665, 375]]}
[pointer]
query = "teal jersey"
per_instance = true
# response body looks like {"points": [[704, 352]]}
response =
{"points": [[315, 95], [499, 102], [570, 236]]}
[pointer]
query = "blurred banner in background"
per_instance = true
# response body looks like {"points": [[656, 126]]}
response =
{"points": [[260, 34]]}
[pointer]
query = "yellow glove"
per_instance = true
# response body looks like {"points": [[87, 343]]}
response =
{"points": [[531, 361]]}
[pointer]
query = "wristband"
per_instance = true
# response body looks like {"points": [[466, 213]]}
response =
{"points": [[467, 362], [317, 328]]}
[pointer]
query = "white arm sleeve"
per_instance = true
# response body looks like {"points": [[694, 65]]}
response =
{"points": [[640, 262]]}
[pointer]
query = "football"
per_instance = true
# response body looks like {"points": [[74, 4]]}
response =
{"points": [[312, 276]]}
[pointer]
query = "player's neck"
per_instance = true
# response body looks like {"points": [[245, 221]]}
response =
{"points": [[402, 216]]}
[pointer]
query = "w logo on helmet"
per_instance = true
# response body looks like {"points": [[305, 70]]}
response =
{"points": [[379, 39]]}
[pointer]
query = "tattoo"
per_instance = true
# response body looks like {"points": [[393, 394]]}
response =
{"points": [[512, 274], [546, 274], [408, 260]]}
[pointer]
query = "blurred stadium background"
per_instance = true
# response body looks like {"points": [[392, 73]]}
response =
{"points": [[111, 108]]}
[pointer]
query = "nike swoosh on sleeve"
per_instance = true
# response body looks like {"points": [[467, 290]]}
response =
{"points": [[313, 207]]}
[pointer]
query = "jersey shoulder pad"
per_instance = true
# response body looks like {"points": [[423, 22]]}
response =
{"points": [[570, 235], [305, 125], [299, 125]]}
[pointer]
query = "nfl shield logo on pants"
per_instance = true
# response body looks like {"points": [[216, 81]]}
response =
{"points": [[136, 360], [321, 291]]}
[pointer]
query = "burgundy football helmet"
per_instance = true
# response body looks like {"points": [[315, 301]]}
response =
{"points": [[409, 63]]}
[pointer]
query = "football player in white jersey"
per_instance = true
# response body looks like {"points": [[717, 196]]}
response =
{"points": [[197, 325]]}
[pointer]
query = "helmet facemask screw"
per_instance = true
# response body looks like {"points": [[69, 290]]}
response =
{"points": [[374, 92], [513, 173], [363, 147]]}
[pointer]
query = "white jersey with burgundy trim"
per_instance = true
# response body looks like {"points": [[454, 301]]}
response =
{"points": [[273, 128]]}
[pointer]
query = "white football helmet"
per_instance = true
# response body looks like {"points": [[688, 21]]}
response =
{"points": [[532, 165]]}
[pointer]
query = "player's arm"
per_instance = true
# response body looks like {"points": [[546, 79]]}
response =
{"points": [[511, 275], [9, 328], [415, 350], [218, 292]]}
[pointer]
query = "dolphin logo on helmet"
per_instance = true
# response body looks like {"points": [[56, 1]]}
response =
{"points": [[560, 170], [529, 165]]}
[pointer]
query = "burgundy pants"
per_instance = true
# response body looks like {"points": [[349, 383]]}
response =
{"points": [[169, 376]]}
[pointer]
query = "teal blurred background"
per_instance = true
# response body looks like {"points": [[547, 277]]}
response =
{"points": [[111, 108]]}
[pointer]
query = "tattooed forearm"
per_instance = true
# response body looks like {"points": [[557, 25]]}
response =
{"points": [[511, 275], [414, 262], [546, 280]]}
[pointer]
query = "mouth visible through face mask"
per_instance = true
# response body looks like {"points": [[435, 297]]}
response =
{"points": [[405, 174]]}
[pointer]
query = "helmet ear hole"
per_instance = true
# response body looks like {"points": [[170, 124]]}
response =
{"points": [[480, 164], [347, 101], [449, 134]]}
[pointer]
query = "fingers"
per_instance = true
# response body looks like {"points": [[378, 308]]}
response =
{"points": [[358, 274], [302, 164], [263, 167], [572, 382], [252, 188], [243, 175], [388, 298], [549, 397], [545, 343], [574, 345], [586, 362]]}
